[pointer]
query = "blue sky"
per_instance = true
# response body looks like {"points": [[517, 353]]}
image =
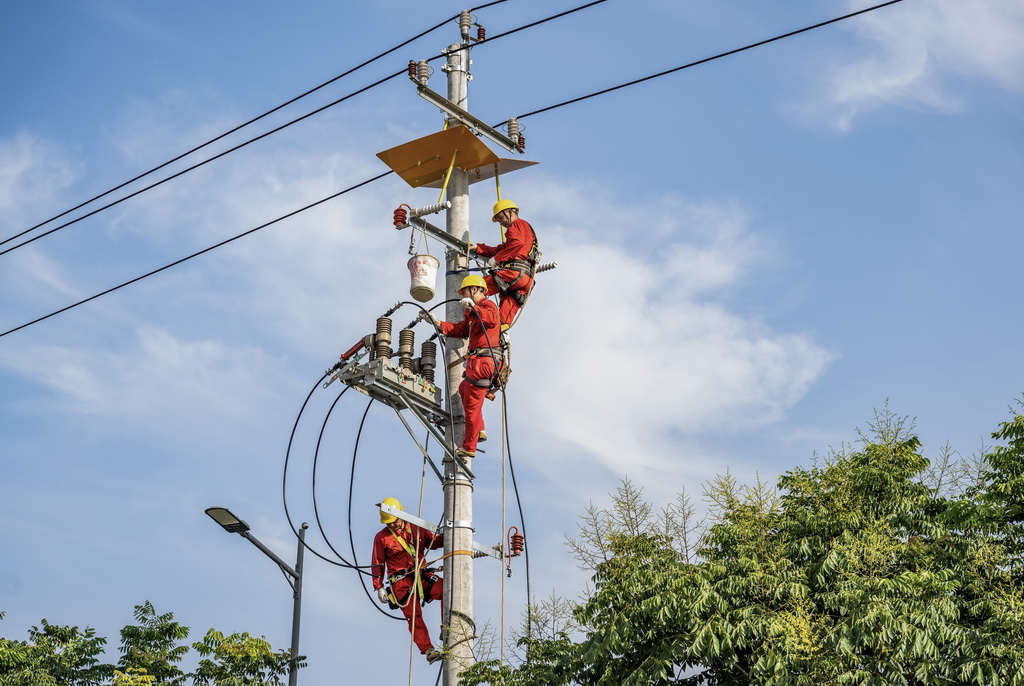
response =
{"points": [[754, 254]]}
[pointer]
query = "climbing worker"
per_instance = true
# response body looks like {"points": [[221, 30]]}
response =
{"points": [[480, 326], [399, 576], [515, 259]]}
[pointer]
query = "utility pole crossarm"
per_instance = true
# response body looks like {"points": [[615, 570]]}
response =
{"points": [[456, 112], [480, 549], [439, 235]]}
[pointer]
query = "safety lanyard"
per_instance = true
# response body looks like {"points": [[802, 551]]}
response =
{"points": [[412, 556]]}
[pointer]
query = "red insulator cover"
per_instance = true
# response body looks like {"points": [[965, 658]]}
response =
{"points": [[401, 215]]}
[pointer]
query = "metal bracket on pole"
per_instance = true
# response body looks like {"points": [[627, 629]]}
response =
{"points": [[438, 234], [426, 456], [465, 117], [479, 549], [395, 387], [438, 436]]}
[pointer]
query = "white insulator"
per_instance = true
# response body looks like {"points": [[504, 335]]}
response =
{"points": [[423, 72], [513, 128], [547, 266], [430, 209], [465, 23]]}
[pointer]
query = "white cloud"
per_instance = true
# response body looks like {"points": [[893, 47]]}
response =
{"points": [[155, 382], [31, 173], [922, 55], [631, 352]]}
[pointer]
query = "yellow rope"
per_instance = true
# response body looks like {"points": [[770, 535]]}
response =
{"points": [[417, 587], [454, 552], [497, 186], [501, 567], [447, 175]]}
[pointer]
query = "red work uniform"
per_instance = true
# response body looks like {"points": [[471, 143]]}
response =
{"points": [[481, 366], [392, 553], [516, 259]]}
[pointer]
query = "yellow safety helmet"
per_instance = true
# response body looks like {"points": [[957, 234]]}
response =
{"points": [[386, 518], [473, 280], [501, 206]]}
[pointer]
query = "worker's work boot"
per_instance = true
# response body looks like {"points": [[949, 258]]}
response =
{"points": [[483, 437], [433, 655], [462, 452]]}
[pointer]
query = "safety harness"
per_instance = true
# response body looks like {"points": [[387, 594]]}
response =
{"points": [[522, 267], [496, 355], [423, 588]]}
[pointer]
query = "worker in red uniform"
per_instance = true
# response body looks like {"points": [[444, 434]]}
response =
{"points": [[398, 551], [515, 260], [481, 326]]}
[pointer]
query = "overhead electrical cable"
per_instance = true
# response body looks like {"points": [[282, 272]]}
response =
{"points": [[256, 138], [197, 254], [362, 580], [708, 59], [243, 125], [543, 21], [316, 462], [284, 479], [353, 564], [204, 162], [380, 176]]}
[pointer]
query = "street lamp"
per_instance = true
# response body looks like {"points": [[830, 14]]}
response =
{"points": [[233, 525]]}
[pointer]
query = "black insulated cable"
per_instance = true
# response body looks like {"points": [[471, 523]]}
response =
{"points": [[522, 116], [252, 140], [284, 477], [204, 162], [316, 463], [233, 130], [195, 254], [707, 59]]}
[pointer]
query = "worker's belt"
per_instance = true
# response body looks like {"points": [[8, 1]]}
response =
{"points": [[491, 352], [494, 354], [485, 351], [524, 266], [400, 574]]}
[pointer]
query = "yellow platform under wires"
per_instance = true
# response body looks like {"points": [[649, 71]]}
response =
{"points": [[426, 160], [486, 171]]}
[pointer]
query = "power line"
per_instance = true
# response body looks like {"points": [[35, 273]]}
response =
{"points": [[244, 124], [380, 176], [261, 136], [197, 254], [708, 59], [204, 162], [544, 21]]}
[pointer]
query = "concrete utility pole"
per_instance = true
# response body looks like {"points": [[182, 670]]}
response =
{"points": [[458, 488]]}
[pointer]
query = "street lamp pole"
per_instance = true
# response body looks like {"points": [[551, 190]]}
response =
{"points": [[232, 524]]}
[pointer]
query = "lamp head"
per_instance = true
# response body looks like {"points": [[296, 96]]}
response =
{"points": [[230, 523]]}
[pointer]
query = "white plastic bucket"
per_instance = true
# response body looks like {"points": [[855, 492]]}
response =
{"points": [[423, 269]]}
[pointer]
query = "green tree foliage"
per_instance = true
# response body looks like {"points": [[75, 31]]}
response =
{"points": [[870, 567], [151, 650], [1003, 488], [54, 656], [16, 662], [240, 660], [133, 676]]}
